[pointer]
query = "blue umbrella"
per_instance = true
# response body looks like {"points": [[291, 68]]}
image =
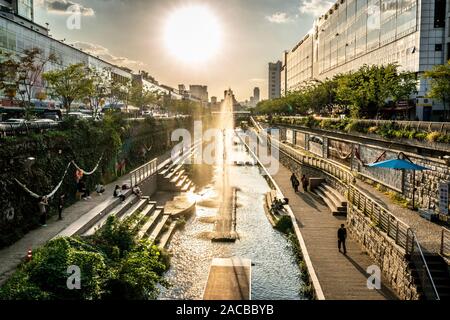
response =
{"points": [[401, 164], [398, 164]]}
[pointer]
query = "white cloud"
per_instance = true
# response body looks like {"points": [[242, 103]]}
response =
{"points": [[279, 17], [65, 7], [105, 54], [315, 7]]}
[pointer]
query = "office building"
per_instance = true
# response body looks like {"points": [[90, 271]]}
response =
{"points": [[256, 95], [413, 34], [18, 32], [275, 80]]}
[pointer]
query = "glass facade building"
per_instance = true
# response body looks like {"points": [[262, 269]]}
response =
{"points": [[352, 33]]}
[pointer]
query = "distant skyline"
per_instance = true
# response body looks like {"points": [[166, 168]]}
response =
{"points": [[130, 33]]}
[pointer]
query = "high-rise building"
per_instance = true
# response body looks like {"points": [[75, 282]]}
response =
{"points": [[275, 80], [22, 8], [414, 34], [256, 95]]}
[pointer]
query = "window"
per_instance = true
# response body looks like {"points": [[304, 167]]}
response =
{"points": [[439, 13], [438, 47]]}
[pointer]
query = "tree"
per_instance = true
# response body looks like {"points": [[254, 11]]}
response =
{"points": [[140, 97], [98, 89], [21, 75], [440, 84], [69, 84]]}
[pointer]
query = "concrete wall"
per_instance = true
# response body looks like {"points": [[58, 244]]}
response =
{"points": [[149, 186]]}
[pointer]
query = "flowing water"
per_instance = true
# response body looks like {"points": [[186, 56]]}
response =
{"points": [[275, 274]]}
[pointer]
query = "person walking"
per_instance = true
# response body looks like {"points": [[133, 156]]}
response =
{"points": [[43, 203], [305, 183], [295, 182], [61, 201], [342, 237]]}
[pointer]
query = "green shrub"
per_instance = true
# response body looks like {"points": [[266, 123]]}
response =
{"points": [[284, 224]]}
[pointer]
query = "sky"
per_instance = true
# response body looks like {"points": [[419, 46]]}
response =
{"points": [[131, 33]]}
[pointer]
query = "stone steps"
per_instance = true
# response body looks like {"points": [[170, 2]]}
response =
{"points": [[148, 227], [187, 186], [177, 176], [141, 216], [158, 228], [181, 181], [165, 238], [120, 209], [337, 206], [136, 207]]}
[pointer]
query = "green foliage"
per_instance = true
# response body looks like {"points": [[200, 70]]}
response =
{"points": [[69, 84], [439, 77], [284, 224], [363, 93], [113, 265]]}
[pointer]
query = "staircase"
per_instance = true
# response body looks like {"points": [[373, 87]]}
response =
{"points": [[173, 178], [333, 199]]}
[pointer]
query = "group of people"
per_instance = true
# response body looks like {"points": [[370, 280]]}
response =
{"points": [[278, 205], [119, 192], [296, 183]]}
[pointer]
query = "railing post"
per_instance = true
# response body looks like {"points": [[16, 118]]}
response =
{"points": [[396, 235]]}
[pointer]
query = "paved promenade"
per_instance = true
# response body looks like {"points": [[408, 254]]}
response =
{"points": [[341, 277], [13, 255]]}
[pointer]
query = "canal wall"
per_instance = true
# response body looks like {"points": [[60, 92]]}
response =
{"points": [[355, 153], [388, 256]]}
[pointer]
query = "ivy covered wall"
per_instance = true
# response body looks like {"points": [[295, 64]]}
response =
{"points": [[40, 160]]}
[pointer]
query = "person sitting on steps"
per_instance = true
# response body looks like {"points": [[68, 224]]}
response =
{"points": [[118, 193]]}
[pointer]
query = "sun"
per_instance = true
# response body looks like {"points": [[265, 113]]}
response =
{"points": [[193, 34]]}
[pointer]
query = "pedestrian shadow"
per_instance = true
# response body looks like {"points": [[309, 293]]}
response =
{"points": [[384, 291]]}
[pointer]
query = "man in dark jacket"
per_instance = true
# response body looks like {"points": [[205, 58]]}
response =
{"points": [[295, 182], [342, 236]]}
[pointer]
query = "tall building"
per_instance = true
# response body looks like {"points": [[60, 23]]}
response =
{"points": [[22, 8], [200, 92], [413, 34], [256, 95], [275, 80]]}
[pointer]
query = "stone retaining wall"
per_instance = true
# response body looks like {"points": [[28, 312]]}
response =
{"points": [[389, 257]]}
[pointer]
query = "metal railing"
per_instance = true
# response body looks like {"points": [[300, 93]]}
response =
{"points": [[418, 125], [423, 272], [382, 218], [143, 172], [445, 243], [25, 127]]}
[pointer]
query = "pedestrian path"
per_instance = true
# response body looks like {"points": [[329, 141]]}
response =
{"points": [[13, 255], [342, 277]]}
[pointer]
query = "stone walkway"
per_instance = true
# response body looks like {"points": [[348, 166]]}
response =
{"points": [[342, 277], [13, 255]]}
